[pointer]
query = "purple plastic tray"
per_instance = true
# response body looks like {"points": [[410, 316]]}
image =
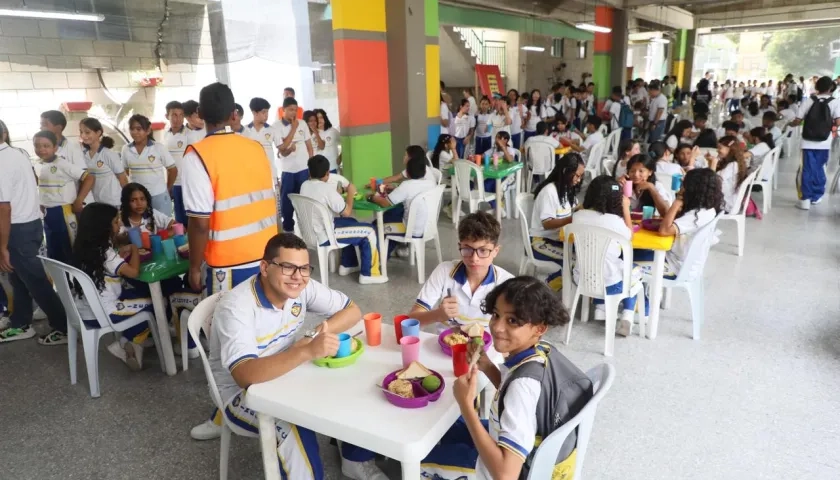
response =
{"points": [[421, 396], [448, 350], [635, 216], [183, 254], [652, 224], [145, 257]]}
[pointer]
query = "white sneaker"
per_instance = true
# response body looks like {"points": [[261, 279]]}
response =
{"points": [[447, 210], [600, 314], [133, 356], [625, 324], [817, 201], [191, 352], [206, 431], [402, 252], [803, 204], [116, 350], [39, 314], [371, 280], [344, 271], [362, 470], [5, 322]]}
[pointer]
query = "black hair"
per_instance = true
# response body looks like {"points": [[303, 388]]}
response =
{"points": [[216, 104], [617, 91], [289, 101], [93, 241], [464, 101], [678, 129], [645, 199], [542, 128], [701, 116], [824, 84], [479, 226], [557, 97], [95, 125], [327, 124], [190, 107], [125, 205], [560, 118], [46, 134], [515, 91], [144, 123], [594, 120], [532, 300], [701, 189], [442, 85], [736, 112], [657, 150], [258, 104], [730, 125], [783, 104], [681, 147], [770, 115], [753, 108], [4, 130], [504, 135], [440, 146], [763, 135], [55, 117], [561, 177], [239, 109], [318, 166], [706, 139], [290, 90], [174, 105], [310, 114], [604, 195], [624, 147], [416, 165], [530, 103], [282, 240]]}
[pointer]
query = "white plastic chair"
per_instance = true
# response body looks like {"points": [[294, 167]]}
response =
{"points": [[540, 160], [613, 139], [201, 320], [590, 250], [315, 222], [594, 158], [740, 217], [463, 172], [525, 205], [767, 179], [545, 458], [431, 199], [603, 129], [59, 273], [690, 276], [609, 165]]}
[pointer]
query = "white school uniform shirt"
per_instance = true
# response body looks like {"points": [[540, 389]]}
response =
{"points": [[148, 167], [776, 132], [537, 114], [246, 326], [498, 122], [267, 138], [332, 139], [788, 114], [297, 160], [405, 194], [687, 226], [105, 166], [18, 186], [451, 276], [326, 194], [672, 141], [176, 143], [758, 152], [111, 291], [613, 263], [549, 206], [730, 92], [444, 115], [71, 150], [482, 120], [461, 125], [473, 107], [729, 186], [59, 182], [834, 107], [160, 219], [195, 135], [444, 161], [615, 113], [568, 135], [593, 139], [546, 139], [660, 101], [516, 114], [428, 176], [668, 168], [663, 191]]}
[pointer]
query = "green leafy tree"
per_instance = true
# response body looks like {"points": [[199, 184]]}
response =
{"points": [[801, 52]]}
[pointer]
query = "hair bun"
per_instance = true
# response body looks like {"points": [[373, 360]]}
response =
{"points": [[652, 154]]}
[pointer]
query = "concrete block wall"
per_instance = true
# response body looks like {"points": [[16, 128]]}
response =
{"points": [[44, 63], [536, 68]]}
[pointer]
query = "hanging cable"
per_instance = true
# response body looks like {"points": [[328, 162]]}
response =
{"points": [[159, 45]]}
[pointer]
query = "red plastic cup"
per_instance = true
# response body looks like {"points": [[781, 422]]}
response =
{"points": [[373, 328], [164, 234], [398, 327], [460, 364], [373, 184]]}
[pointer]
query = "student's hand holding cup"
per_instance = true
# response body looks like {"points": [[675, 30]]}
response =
{"points": [[464, 390]]}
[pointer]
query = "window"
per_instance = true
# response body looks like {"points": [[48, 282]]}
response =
{"points": [[557, 46], [581, 49]]}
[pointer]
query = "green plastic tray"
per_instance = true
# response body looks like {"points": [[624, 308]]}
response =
{"points": [[332, 362]]}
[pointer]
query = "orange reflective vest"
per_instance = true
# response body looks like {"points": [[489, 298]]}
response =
{"points": [[244, 216]]}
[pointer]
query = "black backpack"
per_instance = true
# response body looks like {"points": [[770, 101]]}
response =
{"points": [[818, 120]]}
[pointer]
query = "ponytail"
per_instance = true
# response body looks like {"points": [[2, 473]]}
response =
{"points": [[106, 142]]}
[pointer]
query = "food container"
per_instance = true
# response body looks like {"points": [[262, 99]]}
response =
{"points": [[333, 362], [145, 255], [421, 396], [488, 340], [652, 224]]}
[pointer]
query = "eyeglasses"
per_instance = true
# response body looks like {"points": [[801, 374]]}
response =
{"points": [[482, 252], [289, 269]]}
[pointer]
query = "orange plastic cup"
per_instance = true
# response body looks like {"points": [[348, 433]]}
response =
{"points": [[373, 328], [146, 240], [398, 326]]}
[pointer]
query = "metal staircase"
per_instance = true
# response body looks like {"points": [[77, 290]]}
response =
{"points": [[482, 51]]}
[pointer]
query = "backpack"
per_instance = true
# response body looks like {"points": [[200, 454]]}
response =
{"points": [[626, 116], [818, 121]]}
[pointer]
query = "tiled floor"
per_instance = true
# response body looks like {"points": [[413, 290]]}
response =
{"points": [[758, 397]]}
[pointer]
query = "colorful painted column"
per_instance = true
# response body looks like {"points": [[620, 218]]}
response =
{"points": [[678, 54], [361, 66], [601, 68], [432, 71]]}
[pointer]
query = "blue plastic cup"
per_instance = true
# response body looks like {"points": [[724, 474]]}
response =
{"points": [[135, 237], [647, 213], [410, 327], [180, 240], [157, 245], [169, 249], [676, 182], [345, 342]]}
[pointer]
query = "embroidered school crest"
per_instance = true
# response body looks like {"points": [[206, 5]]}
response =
{"points": [[120, 306], [180, 144], [195, 302], [236, 401], [72, 225], [220, 276], [100, 163], [268, 136], [53, 169], [296, 309], [151, 158]]}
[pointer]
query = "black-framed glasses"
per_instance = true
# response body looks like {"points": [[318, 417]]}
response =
{"points": [[482, 252], [289, 269]]}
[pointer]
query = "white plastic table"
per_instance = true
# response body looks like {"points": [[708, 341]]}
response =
{"points": [[346, 404]]}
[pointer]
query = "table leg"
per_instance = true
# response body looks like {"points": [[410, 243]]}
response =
{"points": [[499, 197], [383, 249], [567, 290], [410, 470], [656, 292], [268, 445], [516, 193], [455, 204], [163, 329]]}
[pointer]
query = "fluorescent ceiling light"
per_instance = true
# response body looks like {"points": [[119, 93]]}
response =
{"points": [[593, 28], [26, 13], [533, 48], [660, 40]]}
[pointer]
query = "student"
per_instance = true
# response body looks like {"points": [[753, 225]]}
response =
{"points": [[501, 117], [63, 186], [731, 129], [332, 139], [768, 121], [762, 144], [195, 123], [554, 201], [617, 100], [521, 311], [626, 149], [295, 150], [349, 232], [137, 210], [236, 120], [731, 166], [454, 292], [102, 162], [535, 113], [403, 196], [592, 137], [517, 114], [565, 133], [146, 160], [699, 125], [542, 135], [661, 153], [71, 150], [605, 206], [701, 98], [786, 113], [315, 140], [765, 106], [689, 157], [260, 131], [445, 152], [176, 141], [657, 112], [484, 127], [506, 153], [463, 127], [681, 129], [444, 116], [410, 152], [641, 170], [470, 98], [707, 138], [289, 92], [737, 117]]}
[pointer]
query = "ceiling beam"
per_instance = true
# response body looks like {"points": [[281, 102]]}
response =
{"points": [[668, 17], [641, 3], [795, 15]]}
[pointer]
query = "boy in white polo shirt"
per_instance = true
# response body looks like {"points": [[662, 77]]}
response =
{"points": [[295, 150], [71, 150], [260, 131], [253, 341], [176, 141], [348, 230], [195, 124]]}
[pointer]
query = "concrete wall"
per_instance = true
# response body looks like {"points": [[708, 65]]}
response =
{"points": [[511, 41], [537, 69], [456, 68]]}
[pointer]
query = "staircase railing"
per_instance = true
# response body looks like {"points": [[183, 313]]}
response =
{"points": [[489, 52]]}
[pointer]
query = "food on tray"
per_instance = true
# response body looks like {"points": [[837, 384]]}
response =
{"points": [[415, 371], [354, 345], [184, 248], [476, 333], [402, 388], [431, 384], [455, 338], [473, 330], [142, 251]]}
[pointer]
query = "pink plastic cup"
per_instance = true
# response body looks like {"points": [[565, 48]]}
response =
{"points": [[410, 347], [628, 189], [178, 228]]}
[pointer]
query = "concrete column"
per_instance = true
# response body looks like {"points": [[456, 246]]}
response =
{"points": [[602, 60], [683, 57], [618, 55]]}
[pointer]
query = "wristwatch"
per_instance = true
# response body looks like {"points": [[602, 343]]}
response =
{"points": [[310, 334]]}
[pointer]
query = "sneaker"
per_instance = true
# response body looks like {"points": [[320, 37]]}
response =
{"points": [[447, 210], [625, 324], [362, 470], [53, 338], [817, 201], [344, 271], [14, 333], [371, 280], [191, 352], [600, 314], [803, 204], [206, 431], [116, 350], [5, 322], [133, 356], [39, 314], [402, 252]]}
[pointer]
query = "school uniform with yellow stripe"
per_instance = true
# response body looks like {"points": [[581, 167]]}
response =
{"points": [[58, 185]]}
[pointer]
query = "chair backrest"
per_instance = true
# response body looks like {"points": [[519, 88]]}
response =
{"points": [[743, 189], [463, 172], [613, 139], [62, 275], [609, 165], [697, 252], [525, 205], [596, 153], [200, 320], [603, 129], [431, 200], [768, 166], [540, 157], [315, 220], [591, 245], [436, 173], [542, 465]]}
